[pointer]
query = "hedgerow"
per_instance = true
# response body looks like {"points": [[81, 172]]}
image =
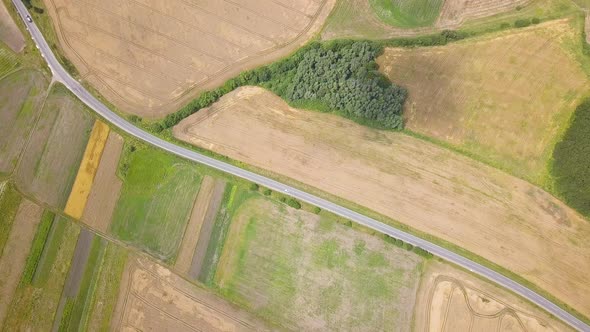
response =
{"points": [[571, 161]]}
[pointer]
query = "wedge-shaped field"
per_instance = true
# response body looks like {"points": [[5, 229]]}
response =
{"points": [[310, 273], [150, 56], [50, 162], [453, 300], [21, 97], [155, 203], [504, 97], [9, 32], [497, 216], [152, 298]]}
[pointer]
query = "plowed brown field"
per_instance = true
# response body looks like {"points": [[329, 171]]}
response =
{"points": [[488, 212], [150, 56]]}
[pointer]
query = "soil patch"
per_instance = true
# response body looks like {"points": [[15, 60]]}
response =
{"points": [[85, 178], [149, 57], [431, 189], [200, 250], [14, 256], [203, 213], [106, 187], [452, 300], [9, 32], [153, 298]]}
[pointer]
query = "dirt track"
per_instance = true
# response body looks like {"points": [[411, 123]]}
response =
{"points": [[153, 298], [106, 188], [149, 57], [16, 251], [481, 209]]}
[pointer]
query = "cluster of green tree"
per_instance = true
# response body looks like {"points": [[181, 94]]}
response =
{"points": [[526, 22], [442, 38], [338, 76], [29, 5], [409, 247], [571, 161]]}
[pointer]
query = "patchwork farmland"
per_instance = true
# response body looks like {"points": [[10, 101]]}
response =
{"points": [[149, 57], [483, 210]]}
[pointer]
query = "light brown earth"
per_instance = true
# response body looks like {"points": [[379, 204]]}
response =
{"points": [[452, 300], [207, 199], [106, 188], [16, 251], [149, 57], [153, 298], [21, 97], [488, 212], [52, 157], [504, 97], [10, 33], [454, 12]]}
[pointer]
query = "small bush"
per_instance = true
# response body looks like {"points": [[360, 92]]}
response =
{"points": [[399, 243], [283, 199], [518, 7], [254, 187], [135, 119], [535, 20], [293, 203], [504, 25], [38, 10], [408, 246], [522, 23], [317, 210], [267, 192], [422, 252]]}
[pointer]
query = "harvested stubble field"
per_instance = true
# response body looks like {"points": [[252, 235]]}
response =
{"points": [[9, 32], [452, 300], [310, 273], [106, 187], [490, 213], [153, 298], [149, 57], [52, 157], [21, 96], [155, 203], [375, 19], [504, 98]]}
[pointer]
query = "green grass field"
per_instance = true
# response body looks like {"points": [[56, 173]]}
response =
{"points": [[300, 270], [9, 202], [155, 203], [407, 14], [33, 306], [37, 247]]}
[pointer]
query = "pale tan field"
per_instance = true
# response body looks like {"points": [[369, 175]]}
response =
{"points": [[503, 97], [452, 300], [87, 170], [106, 187], [153, 298], [9, 33], [497, 216], [149, 57], [455, 12], [14, 255]]}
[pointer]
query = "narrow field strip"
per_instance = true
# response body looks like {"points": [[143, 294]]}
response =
{"points": [[85, 178]]}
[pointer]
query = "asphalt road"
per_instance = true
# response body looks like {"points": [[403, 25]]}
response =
{"points": [[61, 75]]}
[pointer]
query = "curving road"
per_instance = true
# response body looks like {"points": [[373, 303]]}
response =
{"points": [[60, 74]]}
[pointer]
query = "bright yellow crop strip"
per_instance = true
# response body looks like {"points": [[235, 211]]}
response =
{"points": [[83, 183]]}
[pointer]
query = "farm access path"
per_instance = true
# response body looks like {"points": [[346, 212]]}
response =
{"points": [[61, 75]]}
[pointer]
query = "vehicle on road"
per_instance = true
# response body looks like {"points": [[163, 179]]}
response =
{"points": [[29, 19]]}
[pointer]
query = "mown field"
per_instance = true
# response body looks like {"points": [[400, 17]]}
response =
{"points": [[306, 272], [503, 98], [407, 14], [150, 57], [52, 157], [158, 193]]}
